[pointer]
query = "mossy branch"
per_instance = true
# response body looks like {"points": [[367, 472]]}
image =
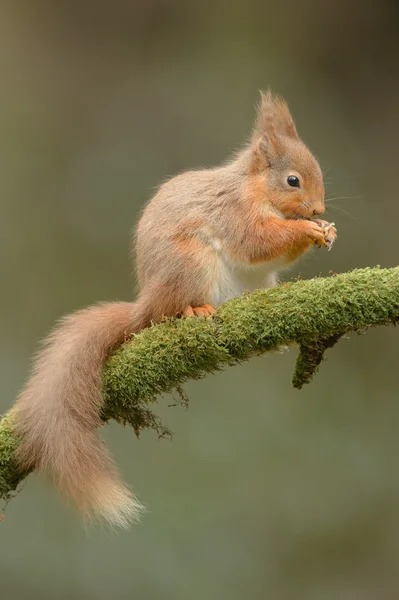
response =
{"points": [[313, 313], [311, 353]]}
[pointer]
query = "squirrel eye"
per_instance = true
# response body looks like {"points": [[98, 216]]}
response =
{"points": [[293, 181]]}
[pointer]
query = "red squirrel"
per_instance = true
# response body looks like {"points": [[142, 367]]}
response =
{"points": [[205, 237]]}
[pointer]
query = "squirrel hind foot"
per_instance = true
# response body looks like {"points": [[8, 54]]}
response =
{"points": [[206, 310]]}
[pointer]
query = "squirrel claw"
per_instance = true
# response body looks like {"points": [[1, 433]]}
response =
{"points": [[329, 242]]}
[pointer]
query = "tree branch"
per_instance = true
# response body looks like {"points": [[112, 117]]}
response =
{"points": [[313, 313]]}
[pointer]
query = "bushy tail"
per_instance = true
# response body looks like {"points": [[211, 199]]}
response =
{"points": [[58, 412]]}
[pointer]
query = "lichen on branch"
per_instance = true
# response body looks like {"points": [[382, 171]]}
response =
{"points": [[313, 313]]}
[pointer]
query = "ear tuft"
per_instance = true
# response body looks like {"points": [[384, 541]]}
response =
{"points": [[274, 117]]}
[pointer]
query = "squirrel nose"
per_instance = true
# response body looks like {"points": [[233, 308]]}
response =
{"points": [[318, 210]]}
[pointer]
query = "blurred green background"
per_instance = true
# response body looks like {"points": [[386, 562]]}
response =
{"points": [[264, 492]]}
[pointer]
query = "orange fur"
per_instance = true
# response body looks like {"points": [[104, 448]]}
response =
{"points": [[206, 236], [199, 311]]}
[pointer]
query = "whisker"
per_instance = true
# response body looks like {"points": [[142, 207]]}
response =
{"points": [[335, 209], [333, 217], [358, 197]]}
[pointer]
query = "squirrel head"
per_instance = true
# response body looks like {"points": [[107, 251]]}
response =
{"points": [[285, 169]]}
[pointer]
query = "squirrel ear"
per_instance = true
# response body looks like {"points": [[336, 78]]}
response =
{"points": [[274, 117], [268, 144], [264, 149]]}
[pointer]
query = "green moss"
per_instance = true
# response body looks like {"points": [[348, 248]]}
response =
{"points": [[9, 473], [313, 313], [307, 312], [311, 353]]}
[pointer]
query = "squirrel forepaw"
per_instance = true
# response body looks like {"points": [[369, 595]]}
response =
{"points": [[330, 232]]}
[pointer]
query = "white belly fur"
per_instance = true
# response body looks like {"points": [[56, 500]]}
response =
{"points": [[232, 279]]}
